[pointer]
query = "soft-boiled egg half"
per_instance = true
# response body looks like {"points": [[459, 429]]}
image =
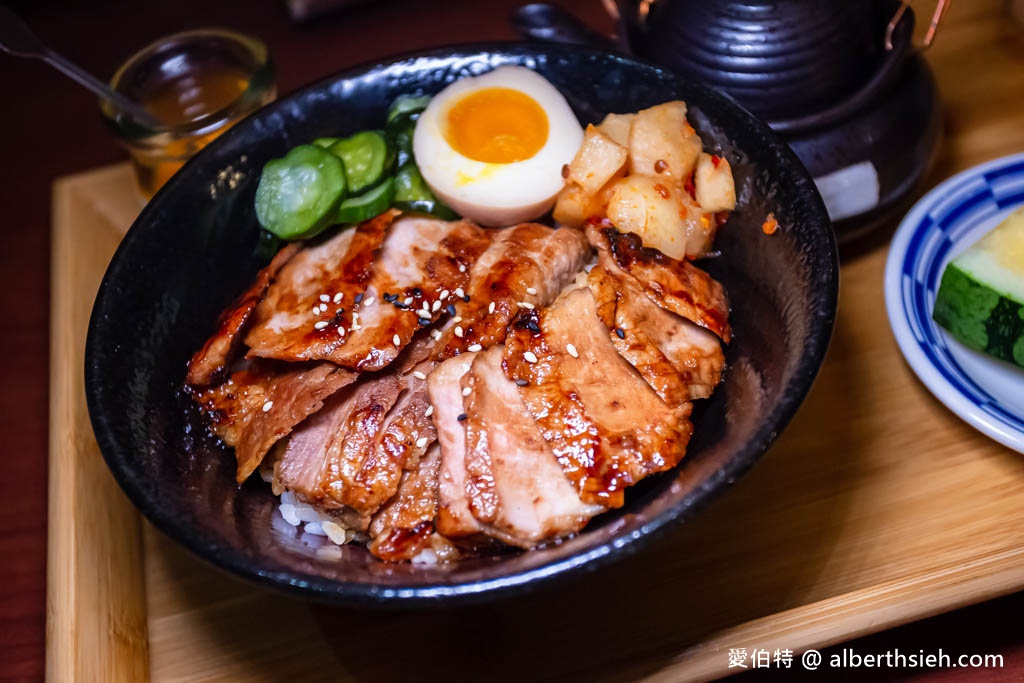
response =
{"points": [[492, 147]]}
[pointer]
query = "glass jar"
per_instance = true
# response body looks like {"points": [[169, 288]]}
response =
{"points": [[198, 83]]}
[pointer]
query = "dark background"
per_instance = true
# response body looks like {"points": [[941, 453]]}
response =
{"points": [[50, 127]]}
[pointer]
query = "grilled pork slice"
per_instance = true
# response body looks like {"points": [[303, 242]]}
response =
{"points": [[605, 424], [406, 434], [210, 363], [515, 486], [326, 452], [680, 361], [358, 299], [352, 454], [405, 526], [261, 403], [527, 264], [454, 518], [677, 286]]}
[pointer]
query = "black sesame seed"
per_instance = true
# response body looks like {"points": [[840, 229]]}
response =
{"points": [[359, 298], [416, 291], [462, 417], [532, 325], [424, 321], [450, 309], [620, 332], [399, 304], [522, 382], [466, 298], [390, 298]]}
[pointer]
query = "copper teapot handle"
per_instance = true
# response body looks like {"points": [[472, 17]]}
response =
{"points": [[933, 26]]}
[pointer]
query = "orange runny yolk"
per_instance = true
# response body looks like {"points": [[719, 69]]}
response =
{"points": [[497, 126]]}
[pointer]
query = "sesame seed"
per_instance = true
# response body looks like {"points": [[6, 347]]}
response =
{"points": [[490, 307], [462, 417], [620, 332], [359, 298], [444, 293], [267, 406], [338, 297], [316, 310], [321, 325], [436, 334], [466, 298], [341, 331], [423, 321], [416, 291], [466, 391], [407, 301], [531, 290], [462, 268], [458, 331], [419, 375], [459, 293], [397, 340], [474, 348], [369, 302], [436, 307], [525, 304], [572, 350], [421, 442], [530, 357], [532, 325], [390, 298], [399, 304], [324, 298], [429, 411], [457, 319], [451, 309], [522, 382]]}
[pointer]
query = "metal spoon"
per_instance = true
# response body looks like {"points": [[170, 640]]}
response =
{"points": [[17, 39]]}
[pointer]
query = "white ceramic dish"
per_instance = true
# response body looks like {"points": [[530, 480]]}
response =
{"points": [[984, 391]]}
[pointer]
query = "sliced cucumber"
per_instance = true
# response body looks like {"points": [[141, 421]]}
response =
{"points": [[299, 194], [325, 142], [369, 204], [413, 195], [407, 106], [981, 295], [366, 157]]}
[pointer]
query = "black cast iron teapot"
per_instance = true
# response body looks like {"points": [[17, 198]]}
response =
{"points": [[840, 80]]}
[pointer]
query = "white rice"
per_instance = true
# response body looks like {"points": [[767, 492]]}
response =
{"points": [[312, 521]]}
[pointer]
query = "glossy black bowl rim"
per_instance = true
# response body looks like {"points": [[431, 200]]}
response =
{"points": [[325, 590]]}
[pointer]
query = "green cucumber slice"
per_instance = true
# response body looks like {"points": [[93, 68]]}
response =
{"points": [[369, 204], [366, 156], [299, 194], [325, 142], [407, 106], [413, 195]]}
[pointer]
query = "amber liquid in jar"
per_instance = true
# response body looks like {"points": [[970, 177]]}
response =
{"points": [[180, 101], [198, 83]]}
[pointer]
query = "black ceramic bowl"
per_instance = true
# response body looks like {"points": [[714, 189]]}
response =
{"points": [[193, 249]]}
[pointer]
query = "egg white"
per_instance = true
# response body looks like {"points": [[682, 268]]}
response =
{"points": [[495, 194]]}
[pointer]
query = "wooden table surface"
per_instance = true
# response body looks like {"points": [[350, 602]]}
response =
{"points": [[51, 128]]}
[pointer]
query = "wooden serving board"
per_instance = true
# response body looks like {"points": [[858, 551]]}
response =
{"points": [[876, 507]]}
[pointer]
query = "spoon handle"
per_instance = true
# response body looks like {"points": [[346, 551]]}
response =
{"points": [[17, 39], [101, 89]]}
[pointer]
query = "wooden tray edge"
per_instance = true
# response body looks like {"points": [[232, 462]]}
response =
{"points": [[95, 596]]}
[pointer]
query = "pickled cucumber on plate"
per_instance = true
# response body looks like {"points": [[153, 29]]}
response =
{"points": [[981, 296]]}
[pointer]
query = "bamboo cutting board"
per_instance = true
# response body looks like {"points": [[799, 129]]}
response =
{"points": [[876, 507]]}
